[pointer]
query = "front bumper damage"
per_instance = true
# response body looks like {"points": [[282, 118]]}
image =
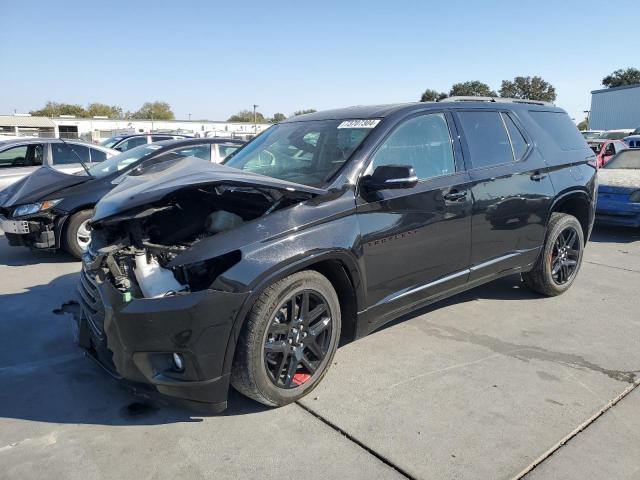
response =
{"points": [[31, 232], [135, 338]]}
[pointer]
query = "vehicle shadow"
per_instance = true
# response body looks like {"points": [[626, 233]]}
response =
{"points": [[506, 288], [18, 256], [46, 377], [613, 234]]}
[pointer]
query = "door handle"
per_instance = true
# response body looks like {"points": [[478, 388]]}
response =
{"points": [[455, 195], [537, 176]]}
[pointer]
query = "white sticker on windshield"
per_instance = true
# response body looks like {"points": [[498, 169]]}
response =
{"points": [[371, 123]]}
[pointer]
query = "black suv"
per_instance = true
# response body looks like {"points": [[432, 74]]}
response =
{"points": [[327, 225]]}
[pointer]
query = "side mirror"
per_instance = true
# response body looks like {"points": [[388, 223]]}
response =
{"points": [[387, 177], [118, 149]]}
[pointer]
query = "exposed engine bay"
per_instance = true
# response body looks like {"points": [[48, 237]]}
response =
{"points": [[135, 247]]}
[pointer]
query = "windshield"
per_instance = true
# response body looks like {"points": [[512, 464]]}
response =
{"points": [[110, 142], [613, 135], [120, 162], [627, 159], [590, 135], [310, 153]]}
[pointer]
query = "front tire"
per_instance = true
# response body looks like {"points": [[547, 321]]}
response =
{"points": [[289, 339], [77, 233], [558, 265]]}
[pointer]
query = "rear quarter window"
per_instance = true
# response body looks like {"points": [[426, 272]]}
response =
{"points": [[561, 129]]}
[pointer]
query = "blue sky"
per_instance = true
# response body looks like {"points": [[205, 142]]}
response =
{"points": [[213, 58]]}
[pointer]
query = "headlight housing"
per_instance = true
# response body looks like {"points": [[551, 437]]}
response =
{"points": [[635, 196], [31, 208]]}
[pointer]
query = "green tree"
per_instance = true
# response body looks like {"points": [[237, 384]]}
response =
{"points": [[154, 110], [629, 76], [278, 117], [55, 109], [530, 88], [303, 112], [430, 95], [246, 116], [473, 88], [584, 124], [103, 110]]}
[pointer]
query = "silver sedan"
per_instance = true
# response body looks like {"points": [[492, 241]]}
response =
{"points": [[20, 157]]}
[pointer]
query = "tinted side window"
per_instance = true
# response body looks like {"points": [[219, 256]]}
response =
{"points": [[560, 128], [67, 153], [486, 137], [422, 142], [97, 155], [198, 151], [131, 143], [517, 140], [225, 150], [159, 138], [22, 156]]}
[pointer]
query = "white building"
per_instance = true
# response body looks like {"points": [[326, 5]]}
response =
{"points": [[97, 129]]}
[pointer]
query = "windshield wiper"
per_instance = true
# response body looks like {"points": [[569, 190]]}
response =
{"points": [[86, 169]]}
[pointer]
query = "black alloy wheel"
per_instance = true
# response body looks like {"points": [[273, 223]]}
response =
{"points": [[565, 256], [289, 339], [297, 339], [558, 264]]}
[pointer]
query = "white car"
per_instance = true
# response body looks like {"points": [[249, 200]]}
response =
{"points": [[615, 134], [20, 157], [591, 134]]}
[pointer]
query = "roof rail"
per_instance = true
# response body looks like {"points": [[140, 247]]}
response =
{"points": [[495, 100]]}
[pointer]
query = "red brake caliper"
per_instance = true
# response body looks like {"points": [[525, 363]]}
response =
{"points": [[300, 378]]}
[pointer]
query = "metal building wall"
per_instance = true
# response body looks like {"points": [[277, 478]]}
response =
{"points": [[615, 108]]}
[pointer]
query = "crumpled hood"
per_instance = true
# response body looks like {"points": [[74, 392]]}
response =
{"points": [[618, 179], [40, 184], [160, 180]]}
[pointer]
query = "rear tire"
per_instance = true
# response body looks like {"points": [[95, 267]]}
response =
{"points": [[76, 233], [559, 262], [285, 348]]}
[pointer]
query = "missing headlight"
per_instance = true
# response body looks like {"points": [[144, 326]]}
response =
{"points": [[200, 275]]}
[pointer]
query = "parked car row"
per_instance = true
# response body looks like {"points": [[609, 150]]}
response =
{"points": [[122, 143], [51, 209]]}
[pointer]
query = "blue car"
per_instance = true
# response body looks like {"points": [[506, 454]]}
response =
{"points": [[619, 191], [633, 141]]}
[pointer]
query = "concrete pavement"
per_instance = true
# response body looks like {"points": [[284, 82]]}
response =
{"points": [[484, 385]]}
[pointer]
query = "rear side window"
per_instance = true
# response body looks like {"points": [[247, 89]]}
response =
{"points": [[198, 151], [517, 140], [132, 143], [561, 129], [98, 155], [64, 153], [22, 156], [226, 150], [159, 138], [486, 137]]}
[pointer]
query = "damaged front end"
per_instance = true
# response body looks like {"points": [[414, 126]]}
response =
{"points": [[150, 318]]}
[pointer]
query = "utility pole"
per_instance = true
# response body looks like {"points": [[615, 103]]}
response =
{"points": [[255, 126]]}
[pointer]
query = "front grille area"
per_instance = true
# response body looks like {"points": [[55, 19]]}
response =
{"points": [[92, 307]]}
